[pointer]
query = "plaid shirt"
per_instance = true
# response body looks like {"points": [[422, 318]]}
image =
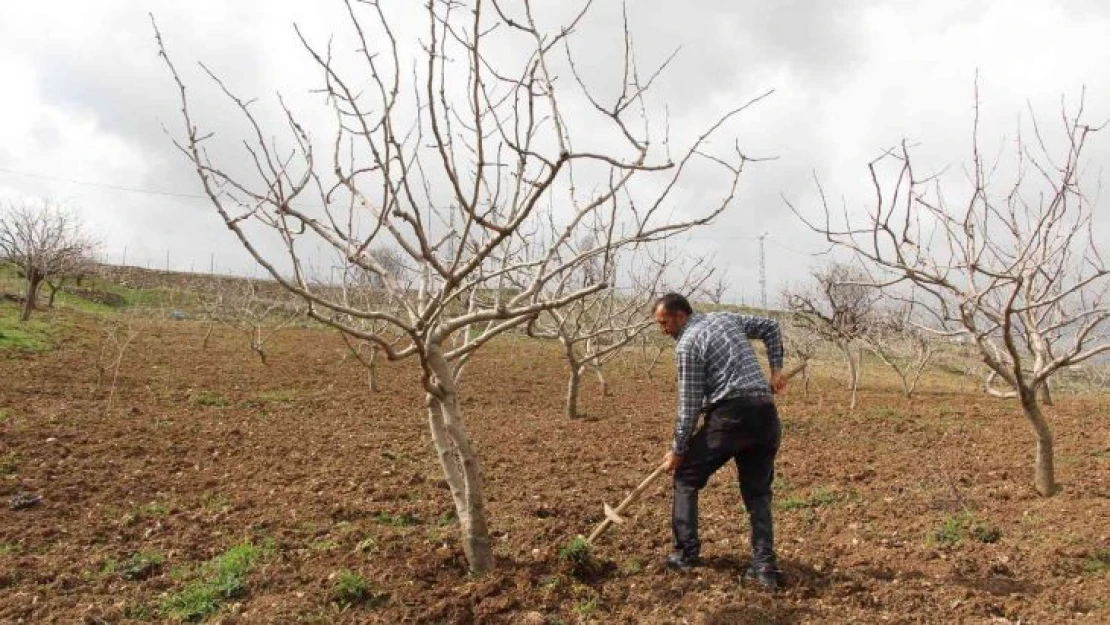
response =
{"points": [[716, 362]]}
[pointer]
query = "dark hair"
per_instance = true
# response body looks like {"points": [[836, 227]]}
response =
{"points": [[673, 303]]}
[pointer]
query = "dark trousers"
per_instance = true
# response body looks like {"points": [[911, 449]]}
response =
{"points": [[749, 436]]}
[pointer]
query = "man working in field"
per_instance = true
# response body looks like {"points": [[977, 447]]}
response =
{"points": [[718, 374]]}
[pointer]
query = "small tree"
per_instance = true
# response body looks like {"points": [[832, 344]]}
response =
{"points": [[593, 330], [1013, 266], [45, 242], [478, 170], [239, 304], [802, 343], [839, 309], [900, 344]]}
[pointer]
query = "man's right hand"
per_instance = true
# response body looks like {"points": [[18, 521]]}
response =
{"points": [[672, 460]]}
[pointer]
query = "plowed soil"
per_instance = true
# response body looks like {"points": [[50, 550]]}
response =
{"points": [[895, 512]]}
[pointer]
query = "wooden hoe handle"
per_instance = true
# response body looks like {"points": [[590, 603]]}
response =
{"points": [[614, 515]]}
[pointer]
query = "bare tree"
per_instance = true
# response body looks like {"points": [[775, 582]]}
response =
{"points": [[239, 304], [801, 345], [901, 344], [713, 289], [44, 241], [1013, 266], [839, 309], [475, 169], [594, 329]]}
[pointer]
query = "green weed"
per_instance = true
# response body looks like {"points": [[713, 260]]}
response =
{"points": [[264, 398], [215, 502], [822, 496], [142, 565], [579, 557], [350, 589], [9, 464], [209, 398], [395, 520], [367, 545], [1098, 562], [956, 527], [215, 582]]}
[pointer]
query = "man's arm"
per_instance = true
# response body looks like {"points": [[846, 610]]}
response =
{"points": [[691, 394], [766, 330]]}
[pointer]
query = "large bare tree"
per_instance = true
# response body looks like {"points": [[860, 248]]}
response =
{"points": [[45, 241], [484, 169], [1012, 264]]}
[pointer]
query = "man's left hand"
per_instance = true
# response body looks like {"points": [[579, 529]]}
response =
{"points": [[778, 381], [672, 460]]}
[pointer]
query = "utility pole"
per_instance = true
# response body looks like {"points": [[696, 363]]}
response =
{"points": [[763, 272]]}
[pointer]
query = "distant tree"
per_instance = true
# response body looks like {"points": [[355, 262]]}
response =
{"points": [[839, 307], [901, 344], [240, 304], [593, 330], [45, 242]]}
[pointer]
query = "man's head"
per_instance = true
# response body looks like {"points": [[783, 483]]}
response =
{"points": [[671, 312]]}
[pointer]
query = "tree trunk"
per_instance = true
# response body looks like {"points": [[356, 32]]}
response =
{"points": [[1044, 472], [601, 380], [372, 370], [572, 391], [33, 282], [53, 292], [459, 462], [853, 374], [1046, 394]]}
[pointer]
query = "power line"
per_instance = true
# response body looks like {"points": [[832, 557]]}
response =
{"points": [[104, 185]]}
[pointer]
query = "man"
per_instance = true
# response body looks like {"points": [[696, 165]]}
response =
{"points": [[719, 374]]}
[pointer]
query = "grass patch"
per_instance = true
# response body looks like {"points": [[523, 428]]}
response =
{"points": [[589, 601], [9, 464], [142, 565], [395, 520], [350, 589], [209, 398], [148, 511], [1098, 562], [215, 502], [367, 545], [215, 582], [30, 336], [324, 545], [888, 413], [3, 416], [274, 397], [578, 556], [822, 496], [955, 528], [8, 549]]}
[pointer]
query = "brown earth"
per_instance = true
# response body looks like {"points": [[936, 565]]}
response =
{"points": [[202, 449]]}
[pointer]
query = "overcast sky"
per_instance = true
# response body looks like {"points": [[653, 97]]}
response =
{"points": [[85, 98]]}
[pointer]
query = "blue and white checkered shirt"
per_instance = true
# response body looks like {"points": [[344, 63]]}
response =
{"points": [[716, 362]]}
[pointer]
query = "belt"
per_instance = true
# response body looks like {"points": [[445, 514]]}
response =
{"points": [[747, 399]]}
